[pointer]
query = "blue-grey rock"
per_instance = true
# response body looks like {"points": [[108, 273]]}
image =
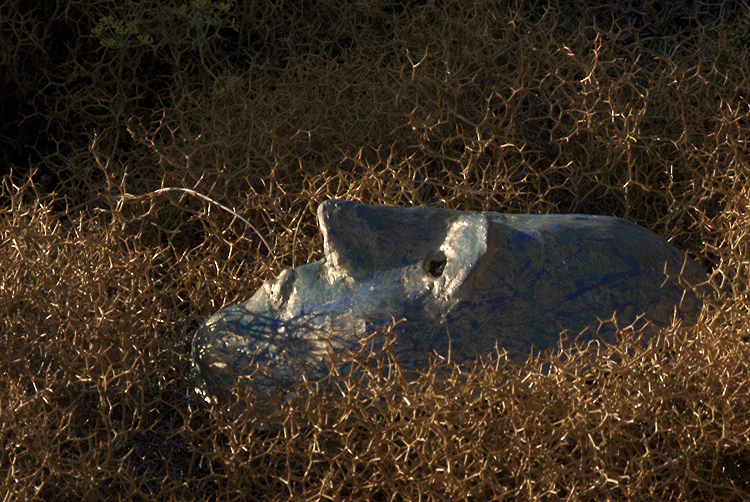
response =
{"points": [[475, 278]]}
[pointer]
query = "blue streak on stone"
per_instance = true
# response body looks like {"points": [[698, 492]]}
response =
{"points": [[484, 278]]}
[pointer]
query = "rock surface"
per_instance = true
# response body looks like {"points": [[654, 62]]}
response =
{"points": [[484, 278]]}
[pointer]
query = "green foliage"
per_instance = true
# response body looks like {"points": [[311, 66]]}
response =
{"points": [[114, 33], [203, 13]]}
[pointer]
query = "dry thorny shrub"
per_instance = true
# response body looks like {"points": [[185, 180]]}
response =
{"points": [[589, 107]]}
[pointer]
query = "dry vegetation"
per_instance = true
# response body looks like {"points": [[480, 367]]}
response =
{"points": [[630, 109]]}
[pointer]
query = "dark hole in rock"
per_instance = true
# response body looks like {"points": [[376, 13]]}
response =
{"points": [[435, 264]]}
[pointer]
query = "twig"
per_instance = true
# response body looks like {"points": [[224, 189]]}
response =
{"points": [[130, 197]]}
